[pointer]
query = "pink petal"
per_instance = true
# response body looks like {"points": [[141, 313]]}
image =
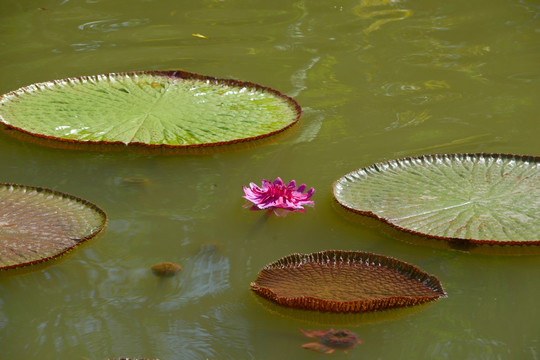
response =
{"points": [[291, 185], [278, 181]]}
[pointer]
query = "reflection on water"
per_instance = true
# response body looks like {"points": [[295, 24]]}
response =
{"points": [[409, 118], [208, 274], [205, 274], [372, 9], [3, 318], [195, 339], [215, 335], [92, 45], [377, 79]]}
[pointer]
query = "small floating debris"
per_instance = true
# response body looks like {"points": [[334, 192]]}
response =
{"points": [[166, 269], [201, 36]]}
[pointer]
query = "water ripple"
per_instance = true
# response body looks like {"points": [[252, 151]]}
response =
{"points": [[112, 24], [92, 45], [525, 77]]}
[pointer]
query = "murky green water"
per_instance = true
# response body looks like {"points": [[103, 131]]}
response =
{"points": [[377, 80]]}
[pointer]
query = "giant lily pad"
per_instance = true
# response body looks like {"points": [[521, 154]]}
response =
{"points": [[160, 109], [478, 198], [345, 281], [38, 224]]}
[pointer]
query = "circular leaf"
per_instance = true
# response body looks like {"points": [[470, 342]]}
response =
{"points": [[38, 224], [157, 109], [345, 281], [479, 198]]}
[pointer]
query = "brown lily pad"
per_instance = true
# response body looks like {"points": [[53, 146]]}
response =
{"points": [[345, 281], [39, 224]]}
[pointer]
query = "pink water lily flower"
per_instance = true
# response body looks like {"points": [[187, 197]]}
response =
{"points": [[276, 195]]}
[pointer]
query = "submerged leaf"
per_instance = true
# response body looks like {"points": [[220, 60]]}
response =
{"points": [[479, 198], [331, 340], [38, 224]]}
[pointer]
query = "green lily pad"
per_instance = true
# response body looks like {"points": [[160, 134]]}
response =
{"points": [[488, 199], [38, 224], [171, 109]]}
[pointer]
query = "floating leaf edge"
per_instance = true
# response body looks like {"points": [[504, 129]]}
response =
{"points": [[48, 140], [355, 306], [455, 242], [67, 250]]}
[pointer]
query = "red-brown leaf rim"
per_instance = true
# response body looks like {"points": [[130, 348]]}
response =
{"points": [[345, 281]]}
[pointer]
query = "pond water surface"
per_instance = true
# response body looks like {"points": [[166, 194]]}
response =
{"points": [[377, 80]]}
